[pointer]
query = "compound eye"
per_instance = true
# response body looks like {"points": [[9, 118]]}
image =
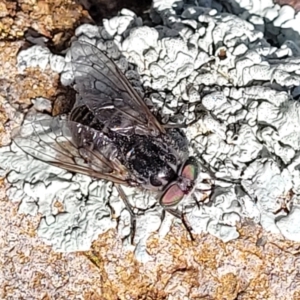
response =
{"points": [[190, 169], [171, 196]]}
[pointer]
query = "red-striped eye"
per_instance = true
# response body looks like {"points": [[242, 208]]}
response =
{"points": [[172, 196], [190, 169]]}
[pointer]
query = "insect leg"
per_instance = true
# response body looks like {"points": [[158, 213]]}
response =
{"points": [[180, 215], [132, 214], [196, 200]]}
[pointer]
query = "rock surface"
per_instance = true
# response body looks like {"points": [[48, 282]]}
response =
{"points": [[66, 210]]}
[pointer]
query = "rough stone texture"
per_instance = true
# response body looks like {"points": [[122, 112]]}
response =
{"points": [[43, 16], [31, 270], [258, 265]]}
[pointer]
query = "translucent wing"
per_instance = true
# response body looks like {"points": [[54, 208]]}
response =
{"points": [[108, 94], [73, 147]]}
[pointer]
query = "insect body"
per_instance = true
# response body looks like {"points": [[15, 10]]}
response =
{"points": [[111, 134]]}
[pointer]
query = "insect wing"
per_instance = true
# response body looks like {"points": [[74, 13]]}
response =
{"points": [[108, 94], [71, 146]]}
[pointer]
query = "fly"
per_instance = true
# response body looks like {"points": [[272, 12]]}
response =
{"points": [[111, 134]]}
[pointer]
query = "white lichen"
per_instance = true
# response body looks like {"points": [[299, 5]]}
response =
{"points": [[211, 70], [279, 23]]}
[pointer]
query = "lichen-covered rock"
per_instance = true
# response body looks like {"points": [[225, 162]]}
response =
{"points": [[239, 95], [208, 69]]}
